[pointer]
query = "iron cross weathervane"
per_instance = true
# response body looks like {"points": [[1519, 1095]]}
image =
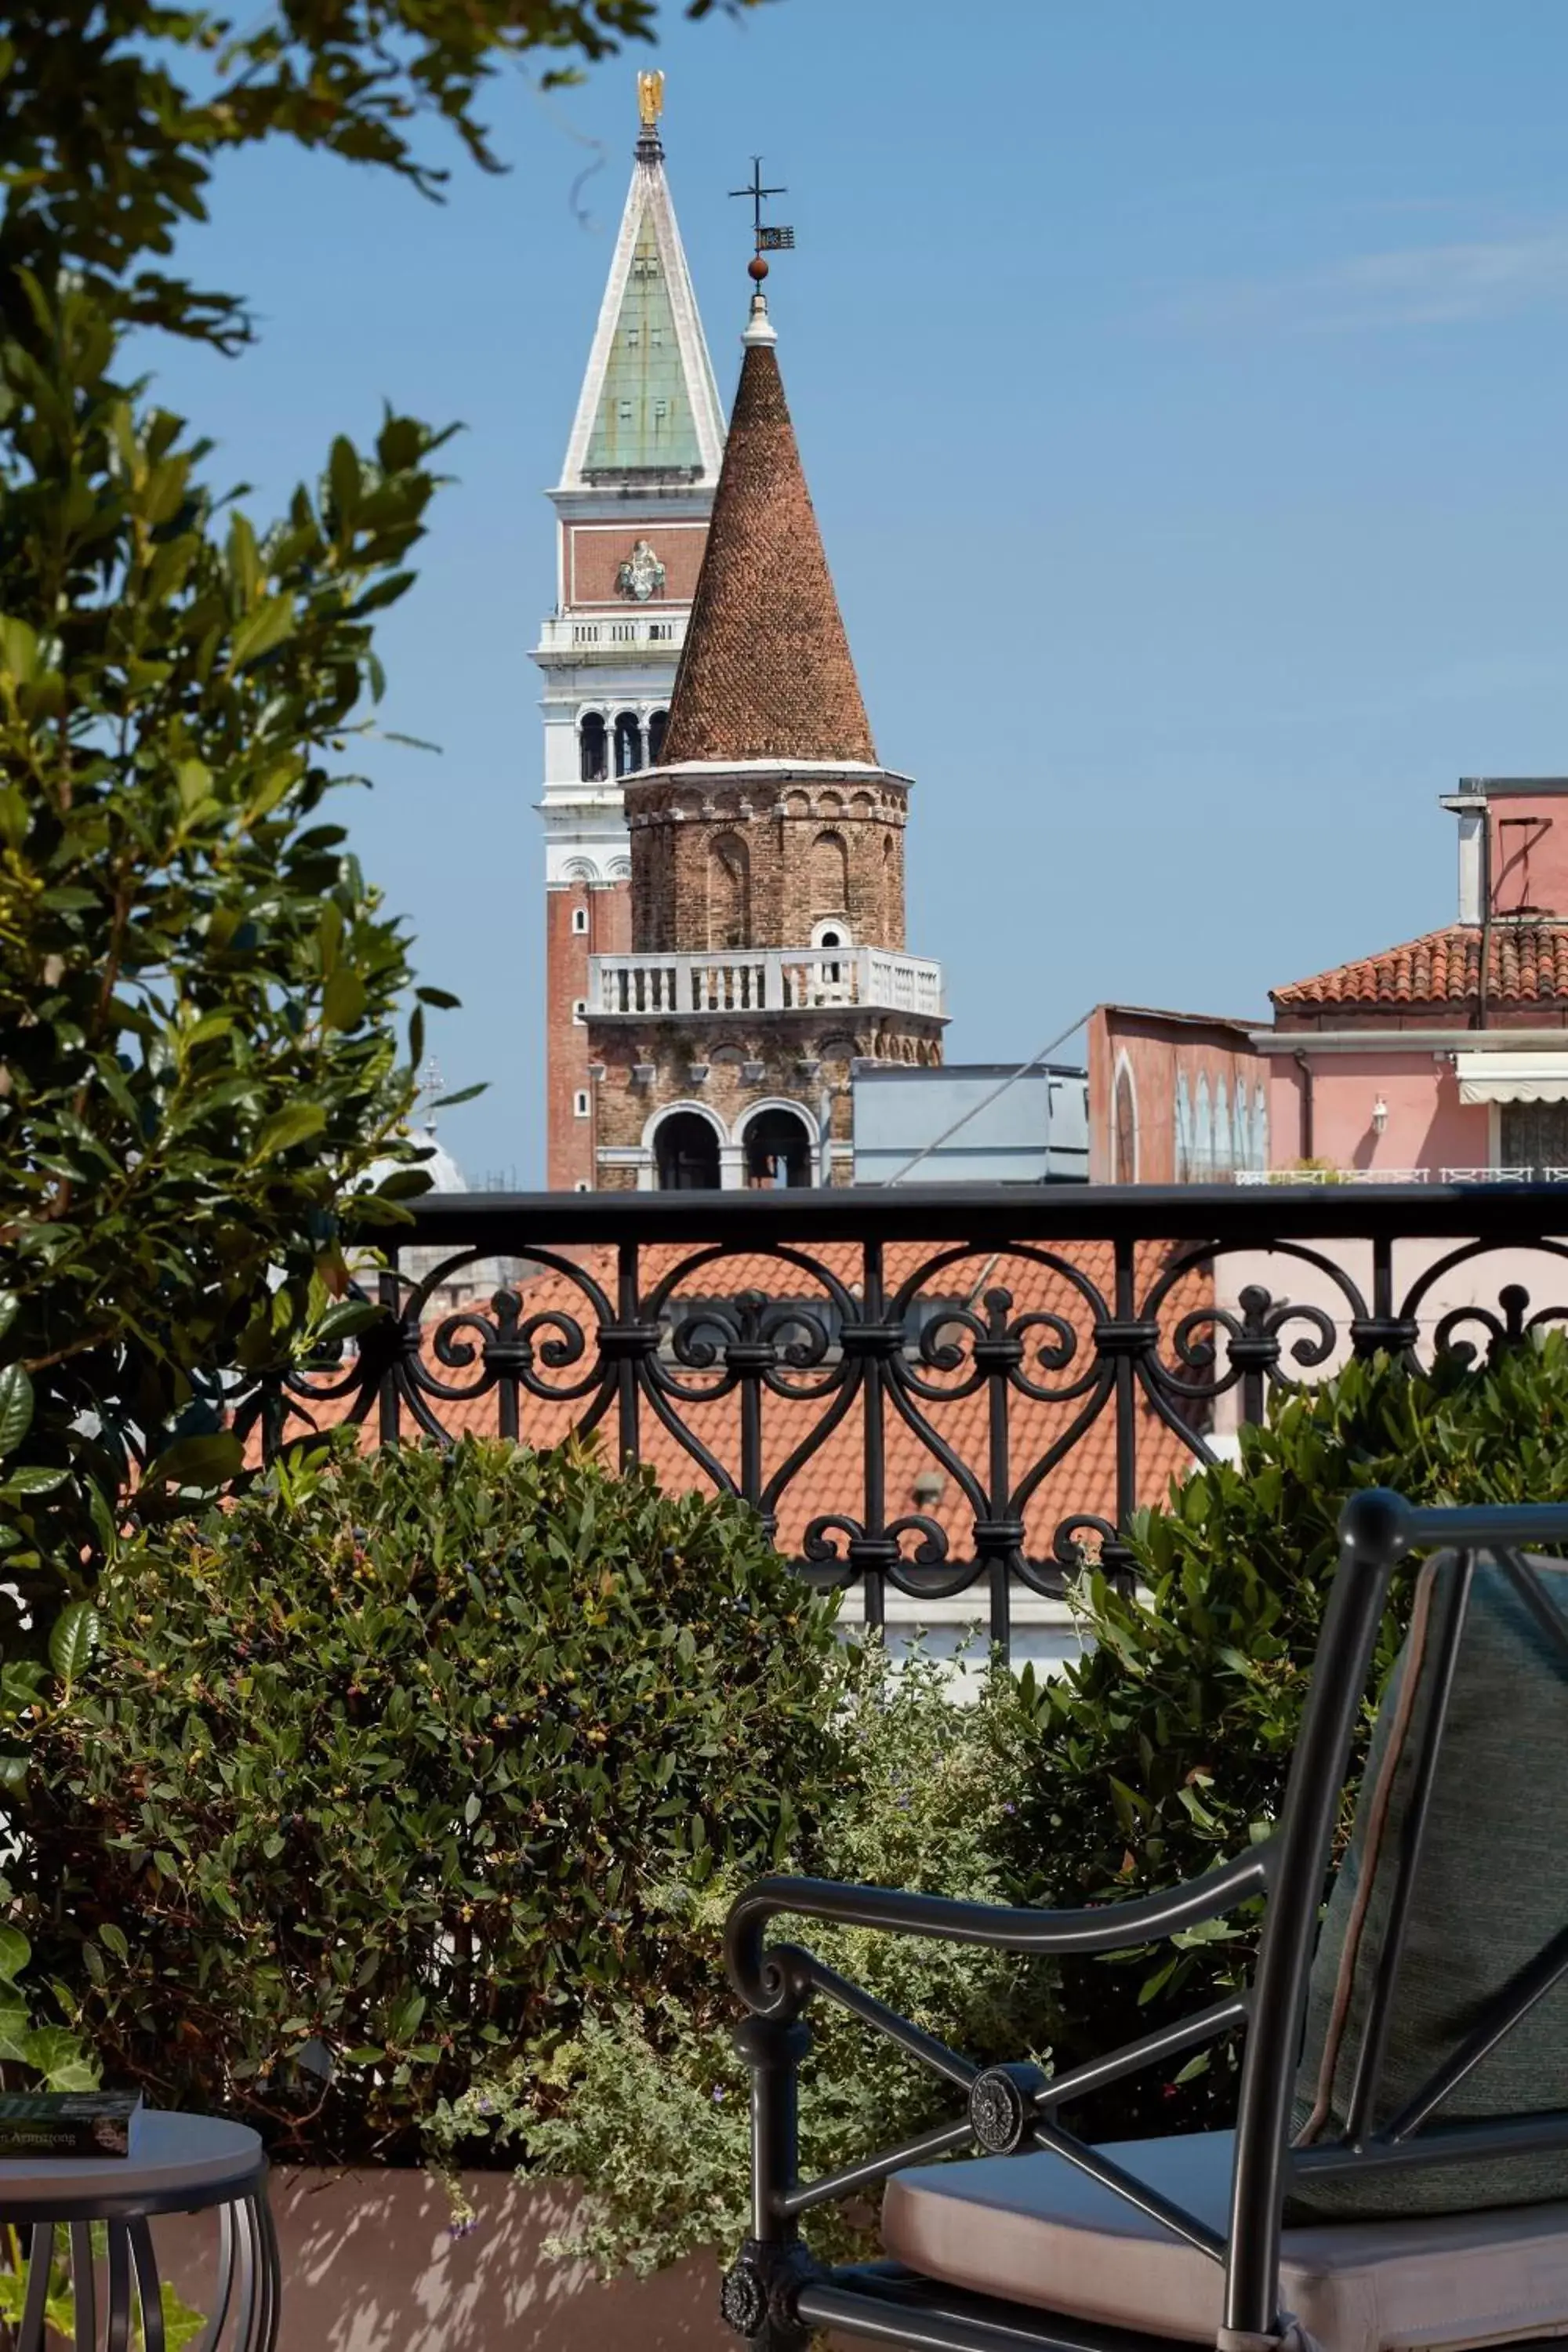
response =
{"points": [[768, 240]]}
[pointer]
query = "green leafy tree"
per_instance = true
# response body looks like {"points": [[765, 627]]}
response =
{"points": [[197, 986], [198, 1062]]}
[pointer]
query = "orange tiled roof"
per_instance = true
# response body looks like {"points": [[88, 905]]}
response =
{"points": [[1527, 963], [1049, 1307]]}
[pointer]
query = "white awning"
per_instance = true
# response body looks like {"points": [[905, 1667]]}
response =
{"points": [[1513, 1078]]}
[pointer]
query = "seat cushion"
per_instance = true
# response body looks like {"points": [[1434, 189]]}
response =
{"points": [[1488, 1894], [1031, 2228]]}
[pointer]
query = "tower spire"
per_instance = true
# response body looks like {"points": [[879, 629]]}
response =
{"points": [[766, 673], [648, 409]]}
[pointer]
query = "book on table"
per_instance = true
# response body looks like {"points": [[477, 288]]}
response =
{"points": [[67, 2123]]}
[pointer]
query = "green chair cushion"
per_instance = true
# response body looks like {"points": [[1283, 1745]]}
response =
{"points": [[1490, 1889]]}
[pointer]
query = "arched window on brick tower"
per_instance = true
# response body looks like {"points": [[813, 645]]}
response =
{"points": [[778, 1150], [686, 1153], [892, 930], [592, 748], [656, 724], [629, 743], [729, 892], [830, 875]]}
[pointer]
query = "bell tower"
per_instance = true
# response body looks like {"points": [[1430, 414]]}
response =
{"points": [[767, 947], [632, 508]]}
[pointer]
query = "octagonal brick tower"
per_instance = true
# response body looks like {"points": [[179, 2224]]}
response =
{"points": [[767, 863]]}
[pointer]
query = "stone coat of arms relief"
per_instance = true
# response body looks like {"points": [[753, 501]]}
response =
{"points": [[641, 575]]}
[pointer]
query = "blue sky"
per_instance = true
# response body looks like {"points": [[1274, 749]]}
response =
{"points": [[1183, 392]]}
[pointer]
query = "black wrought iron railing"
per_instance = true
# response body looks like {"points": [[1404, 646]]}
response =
{"points": [[930, 1392]]}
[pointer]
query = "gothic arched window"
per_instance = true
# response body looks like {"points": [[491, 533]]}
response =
{"points": [[629, 743], [892, 920], [592, 747], [656, 726], [1124, 1139], [1184, 1130], [1203, 1135], [1259, 1126], [729, 892], [1221, 1159], [829, 874]]}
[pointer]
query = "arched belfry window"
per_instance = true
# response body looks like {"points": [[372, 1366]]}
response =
{"points": [[657, 727], [592, 741], [686, 1153], [729, 892], [778, 1150], [628, 744]]}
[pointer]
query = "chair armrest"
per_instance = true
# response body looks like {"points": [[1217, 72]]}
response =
{"points": [[1106, 1927]]}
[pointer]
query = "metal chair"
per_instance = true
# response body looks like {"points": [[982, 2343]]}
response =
{"points": [[1183, 2240]]}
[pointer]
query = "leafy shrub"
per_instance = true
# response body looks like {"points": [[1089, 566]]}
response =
{"points": [[647, 2102], [1165, 1748], [376, 1769]]}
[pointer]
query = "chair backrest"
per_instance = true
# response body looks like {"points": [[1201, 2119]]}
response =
{"points": [[1377, 2115]]}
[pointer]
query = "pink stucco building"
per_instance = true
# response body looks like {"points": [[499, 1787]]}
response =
{"points": [[1446, 1057]]}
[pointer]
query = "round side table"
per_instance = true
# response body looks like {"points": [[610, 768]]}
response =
{"points": [[178, 2164]]}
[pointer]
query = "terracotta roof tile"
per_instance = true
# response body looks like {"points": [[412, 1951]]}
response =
{"points": [[1527, 964], [766, 673], [1048, 1308]]}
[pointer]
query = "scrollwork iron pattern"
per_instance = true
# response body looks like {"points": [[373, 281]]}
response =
{"points": [[984, 1412]]}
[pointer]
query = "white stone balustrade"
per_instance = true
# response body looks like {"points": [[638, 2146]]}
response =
{"points": [[764, 980]]}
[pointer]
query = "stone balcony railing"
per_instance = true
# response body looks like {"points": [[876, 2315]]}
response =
{"points": [[764, 980], [608, 635]]}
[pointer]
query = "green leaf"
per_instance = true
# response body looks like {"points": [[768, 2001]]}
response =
{"points": [[32, 1478], [15, 1953], [344, 999], [16, 1408], [112, 1938], [348, 1318], [294, 1125], [203, 1463], [262, 629], [61, 2058], [9, 1304], [73, 1640]]}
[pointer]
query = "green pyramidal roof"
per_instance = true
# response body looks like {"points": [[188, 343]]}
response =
{"points": [[644, 416], [649, 405]]}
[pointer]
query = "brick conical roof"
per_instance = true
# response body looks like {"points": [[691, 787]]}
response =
{"points": [[766, 672]]}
